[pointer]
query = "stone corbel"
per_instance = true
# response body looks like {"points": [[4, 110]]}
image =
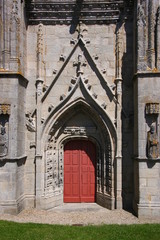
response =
{"points": [[30, 123]]}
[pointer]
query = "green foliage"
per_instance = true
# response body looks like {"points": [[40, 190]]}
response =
{"points": [[30, 231]]}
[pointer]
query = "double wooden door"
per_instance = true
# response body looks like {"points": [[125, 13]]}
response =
{"points": [[79, 171]]}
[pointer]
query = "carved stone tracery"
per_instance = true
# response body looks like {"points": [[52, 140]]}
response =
{"points": [[141, 39]]}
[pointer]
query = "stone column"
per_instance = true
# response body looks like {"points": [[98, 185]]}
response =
{"points": [[39, 173], [39, 86], [5, 44], [118, 82], [1, 34], [15, 37], [151, 35], [158, 39]]}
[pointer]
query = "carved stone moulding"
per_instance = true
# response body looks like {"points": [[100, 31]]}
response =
{"points": [[5, 109], [152, 108], [67, 12], [79, 130]]}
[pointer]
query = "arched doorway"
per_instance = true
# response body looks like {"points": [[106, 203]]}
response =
{"points": [[79, 171]]}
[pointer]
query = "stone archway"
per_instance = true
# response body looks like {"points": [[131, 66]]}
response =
{"points": [[79, 122]]}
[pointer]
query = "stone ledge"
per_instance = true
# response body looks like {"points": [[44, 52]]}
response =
{"points": [[145, 159], [13, 159], [146, 75], [8, 74]]}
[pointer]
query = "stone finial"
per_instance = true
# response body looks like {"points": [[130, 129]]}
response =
{"points": [[40, 39], [40, 61]]}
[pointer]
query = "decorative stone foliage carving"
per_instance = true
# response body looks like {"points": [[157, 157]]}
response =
{"points": [[40, 46], [40, 39], [108, 167], [79, 130], [53, 167], [152, 108], [49, 171], [15, 11], [5, 109]]}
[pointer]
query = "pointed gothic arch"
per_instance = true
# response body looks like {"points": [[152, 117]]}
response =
{"points": [[79, 120]]}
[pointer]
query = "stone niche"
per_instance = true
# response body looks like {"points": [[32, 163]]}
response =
{"points": [[152, 113], [4, 129]]}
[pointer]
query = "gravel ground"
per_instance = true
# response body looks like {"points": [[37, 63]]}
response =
{"points": [[91, 217]]}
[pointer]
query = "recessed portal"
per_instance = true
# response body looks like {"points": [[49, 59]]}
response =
{"points": [[79, 171]]}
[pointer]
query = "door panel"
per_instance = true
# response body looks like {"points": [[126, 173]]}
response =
{"points": [[79, 171]]}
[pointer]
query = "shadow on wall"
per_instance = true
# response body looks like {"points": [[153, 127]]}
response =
{"points": [[75, 16], [127, 115]]}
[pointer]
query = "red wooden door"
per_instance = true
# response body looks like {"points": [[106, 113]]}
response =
{"points": [[79, 171]]}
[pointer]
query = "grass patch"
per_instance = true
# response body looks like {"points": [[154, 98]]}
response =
{"points": [[31, 231]]}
